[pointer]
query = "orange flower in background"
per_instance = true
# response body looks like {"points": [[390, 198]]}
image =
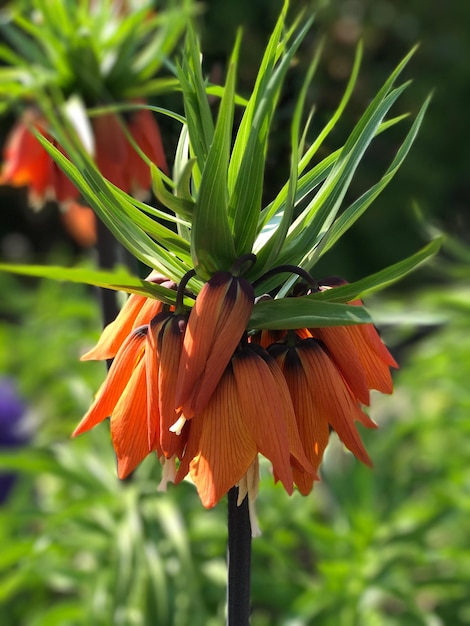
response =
{"points": [[27, 164]]}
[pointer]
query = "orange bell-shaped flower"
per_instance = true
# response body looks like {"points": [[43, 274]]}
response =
{"points": [[216, 325]]}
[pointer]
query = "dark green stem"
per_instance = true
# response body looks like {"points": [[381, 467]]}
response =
{"points": [[179, 306], [288, 269], [239, 561]]}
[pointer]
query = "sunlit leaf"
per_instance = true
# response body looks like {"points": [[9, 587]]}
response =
{"points": [[304, 312], [117, 280]]}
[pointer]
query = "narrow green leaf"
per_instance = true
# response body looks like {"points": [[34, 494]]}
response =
{"points": [[212, 242], [245, 200], [148, 209], [218, 91], [268, 253], [273, 48], [381, 279], [196, 105], [97, 192], [166, 27], [117, 280], [314, 222], [357, 208], [304, 312], [306, 159], [312, 179], [181, 206], [154, 87]]}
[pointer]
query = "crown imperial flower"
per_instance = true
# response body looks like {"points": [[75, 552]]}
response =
{"points": [[208, 397]]}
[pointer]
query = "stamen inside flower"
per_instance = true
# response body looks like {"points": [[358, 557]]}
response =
{"points": [[168, 473], [248, 486], [178, 425]]}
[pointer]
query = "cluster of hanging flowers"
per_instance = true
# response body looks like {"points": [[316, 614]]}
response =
{"points": [[207, 397]]}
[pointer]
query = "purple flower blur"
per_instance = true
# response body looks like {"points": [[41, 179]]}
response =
{"points": [[12, 431]]}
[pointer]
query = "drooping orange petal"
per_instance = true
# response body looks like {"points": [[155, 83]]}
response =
{"points": [[313, 426], [128, 356], [26, 162], [343, 351], [192, 430], [226, 447], [216, 325], [151, 374], [22, 151], [136, 311], [129, 431], [266, 337], [148, 311], [199, 334], [368, 331], [169, 348], [377, 372], [299, 459], [372, 351], [116, 332], [333, 400], [261, 407], [373, 340]]}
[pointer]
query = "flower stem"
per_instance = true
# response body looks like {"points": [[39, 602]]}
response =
{"points": [[239, 561], [106, 249]]}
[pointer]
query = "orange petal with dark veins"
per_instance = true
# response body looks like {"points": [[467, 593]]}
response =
{"points": [[226, 446], [215, 327], [127, 358], [333, 400], [129, 428]]}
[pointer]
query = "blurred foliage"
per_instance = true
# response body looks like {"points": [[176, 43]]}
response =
{"points": [[387, 546]]}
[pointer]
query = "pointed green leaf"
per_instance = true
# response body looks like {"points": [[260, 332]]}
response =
{"points": [[382, 279], [196, 105], [211, 239], [313, 223], [270, 251], [181, 206], [273, 48], [117, 280], [97, 192], [357, 208], [304, 312], [245, 200]]}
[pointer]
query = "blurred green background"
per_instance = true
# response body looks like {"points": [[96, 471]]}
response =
{"points": [[388, 546]]}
